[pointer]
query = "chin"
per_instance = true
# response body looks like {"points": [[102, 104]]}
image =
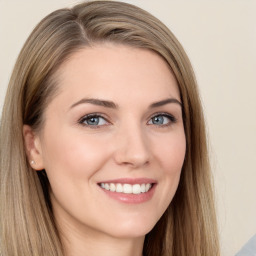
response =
{"points": [[132, 229]]}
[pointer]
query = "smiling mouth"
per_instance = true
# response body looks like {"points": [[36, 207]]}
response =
{"points": [[127, 188]]}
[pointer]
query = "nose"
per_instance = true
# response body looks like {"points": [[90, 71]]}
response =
{"points": [[131, 147]]}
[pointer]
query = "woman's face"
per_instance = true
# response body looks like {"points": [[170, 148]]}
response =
{"points": [[113, 141]]}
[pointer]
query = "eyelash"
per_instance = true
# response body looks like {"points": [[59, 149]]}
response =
{"points": [[90, 116], [85, 118], [171, 118]]}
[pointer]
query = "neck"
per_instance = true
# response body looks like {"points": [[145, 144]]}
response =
{"points": [[106, 247]]}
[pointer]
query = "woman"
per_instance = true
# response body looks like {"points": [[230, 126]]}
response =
{"points": [[103, 145]]}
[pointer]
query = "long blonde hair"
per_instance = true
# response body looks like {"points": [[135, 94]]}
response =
{"points": [[188, 227]]}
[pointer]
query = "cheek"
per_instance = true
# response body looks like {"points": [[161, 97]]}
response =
{"points": [[170, 152], [71, 161], [73, 155]]}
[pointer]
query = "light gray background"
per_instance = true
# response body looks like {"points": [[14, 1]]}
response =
{"points": [[220, 39]]}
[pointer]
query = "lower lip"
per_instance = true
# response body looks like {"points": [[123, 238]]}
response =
{"points": [[131, 198]]}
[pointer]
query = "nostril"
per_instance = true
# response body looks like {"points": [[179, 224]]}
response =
{"points": [[132, 157]]}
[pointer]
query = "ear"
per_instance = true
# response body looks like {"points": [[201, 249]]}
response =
{"points": [[33, 148]]}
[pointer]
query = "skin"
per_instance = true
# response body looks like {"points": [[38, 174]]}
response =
{"points": [[126, 143]]}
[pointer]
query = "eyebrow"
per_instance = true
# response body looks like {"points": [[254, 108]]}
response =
{"points": [[98, 102], [164, 102], [111, 104]]}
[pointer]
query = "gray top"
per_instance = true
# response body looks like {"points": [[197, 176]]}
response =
{"points": [[249, 249]]}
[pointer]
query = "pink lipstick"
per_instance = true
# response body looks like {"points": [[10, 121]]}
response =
{"points": [[133, 191]]}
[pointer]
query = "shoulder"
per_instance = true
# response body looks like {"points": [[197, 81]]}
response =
{"points": [[249, 248]]}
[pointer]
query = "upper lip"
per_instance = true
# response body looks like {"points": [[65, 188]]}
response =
{"points": [[131, 181]]}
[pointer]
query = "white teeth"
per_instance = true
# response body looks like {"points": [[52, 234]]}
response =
{"points": [[127, 188], [148, 186], [112, 187], [136, 189], [119, 188]]}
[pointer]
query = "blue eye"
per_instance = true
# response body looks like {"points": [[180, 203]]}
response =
{"points": [[162, 119], [93, 120]]}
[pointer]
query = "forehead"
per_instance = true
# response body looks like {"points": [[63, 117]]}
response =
{"points": [[114, 71]]}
